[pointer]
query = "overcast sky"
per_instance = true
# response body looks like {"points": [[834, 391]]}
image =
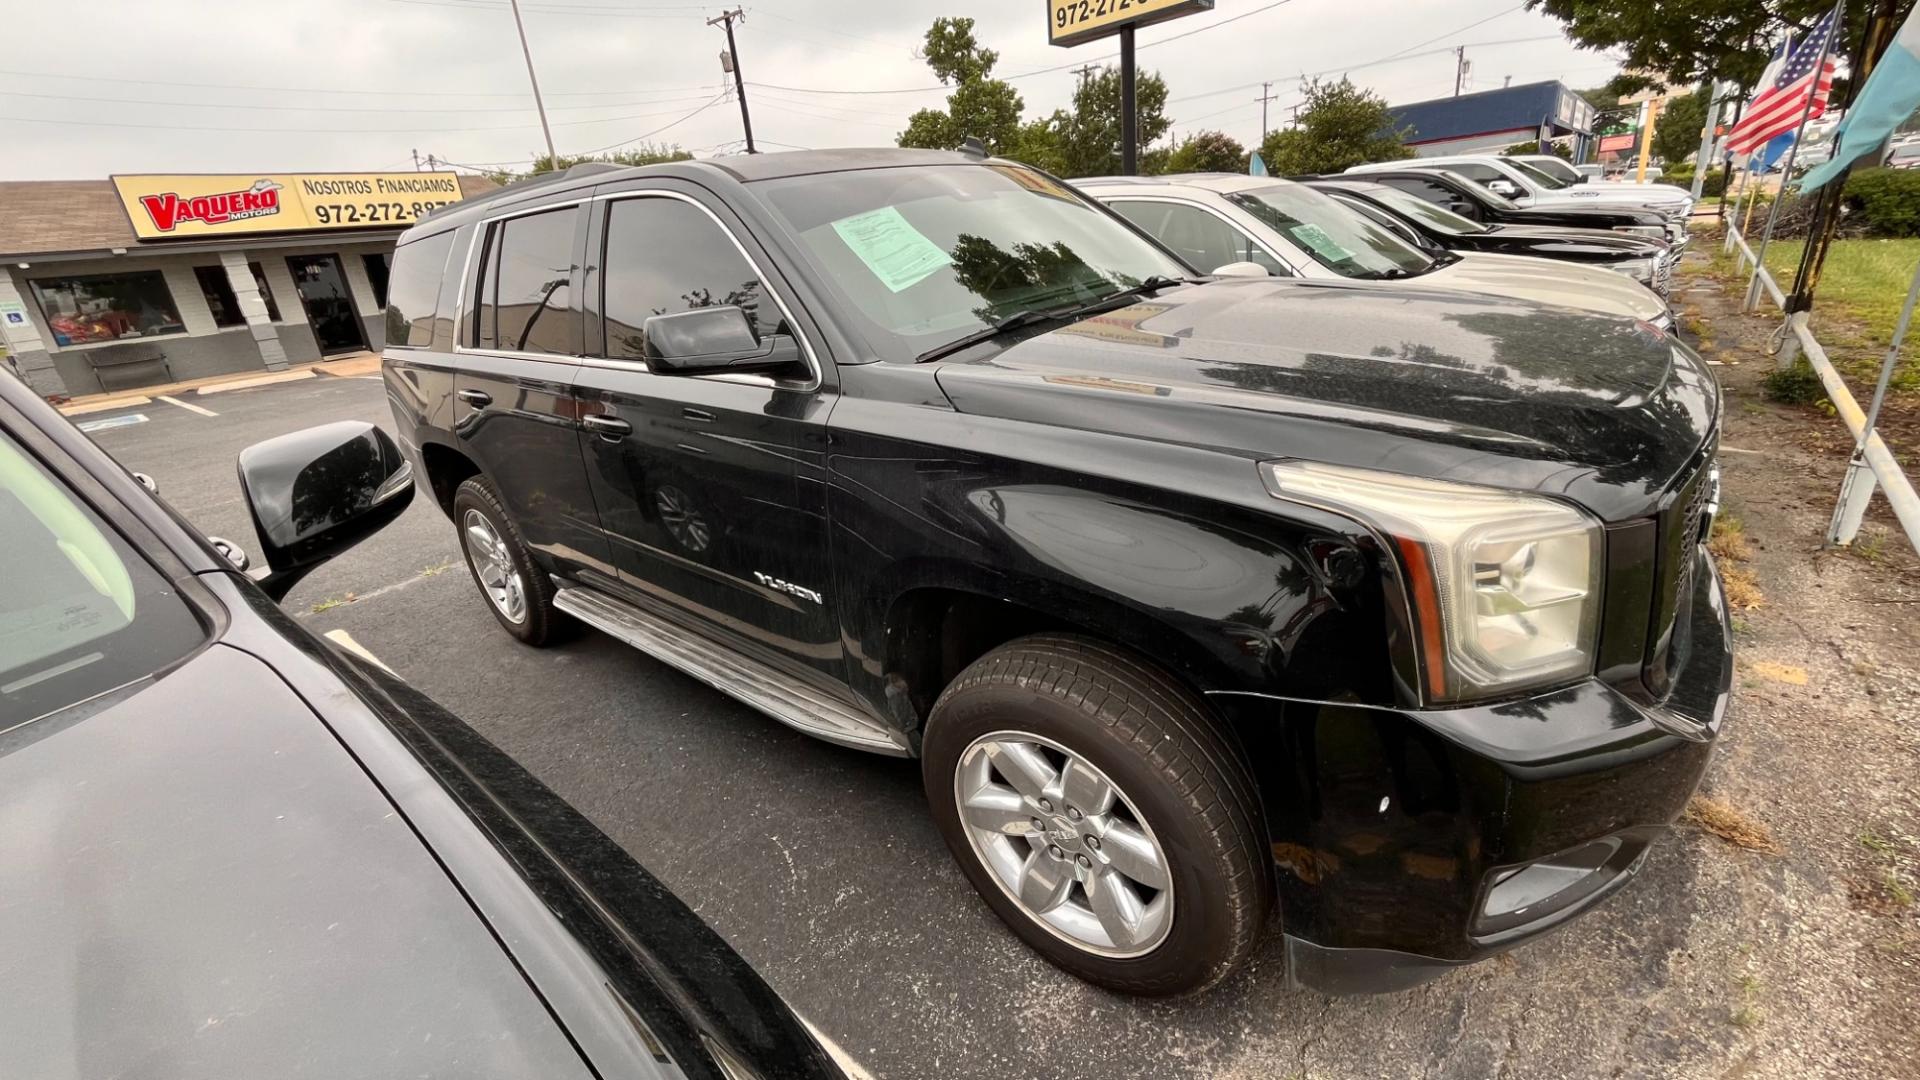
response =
{"points": [[196, 86]]}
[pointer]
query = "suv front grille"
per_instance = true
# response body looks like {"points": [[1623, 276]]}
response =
{"points": [[1682, 529]]}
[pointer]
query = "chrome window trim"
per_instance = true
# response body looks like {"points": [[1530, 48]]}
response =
{"points": [[799, 333], [1294, 266]]}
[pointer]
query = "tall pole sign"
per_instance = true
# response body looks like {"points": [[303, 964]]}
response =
{"points": [[1076, 22]]}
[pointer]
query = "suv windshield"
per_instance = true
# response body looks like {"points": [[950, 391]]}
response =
{"points": [[1538, 176], [1491, 198], [1337, 237], [82, 613], [929, 255], [1424, 212], [1554, 167]]}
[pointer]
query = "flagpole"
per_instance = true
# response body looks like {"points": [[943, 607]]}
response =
{"points": [[1786, 171]]}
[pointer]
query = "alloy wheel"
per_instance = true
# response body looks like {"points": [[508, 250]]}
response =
{"points": [[493, 567], [1065, 843]]}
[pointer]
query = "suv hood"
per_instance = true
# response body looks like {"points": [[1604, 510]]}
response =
{"points": [[1578, 242], [1451, 385], [1623, 195], [1549, 281]]}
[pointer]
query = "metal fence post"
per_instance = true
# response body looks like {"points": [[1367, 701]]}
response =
{"points": [[1856, 491], [1789, 344]]}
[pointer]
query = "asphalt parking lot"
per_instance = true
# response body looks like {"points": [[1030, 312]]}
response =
{"points": [[822, 867]]}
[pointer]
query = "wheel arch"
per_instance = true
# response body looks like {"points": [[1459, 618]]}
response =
{"points": [[446, 468]]}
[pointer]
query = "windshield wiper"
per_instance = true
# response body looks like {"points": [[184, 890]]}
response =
{"points": [[1012, 322], [1018, 319]]}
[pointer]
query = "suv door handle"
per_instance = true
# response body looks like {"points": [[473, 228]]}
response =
{"points": [[479, 399], [610, 428]]}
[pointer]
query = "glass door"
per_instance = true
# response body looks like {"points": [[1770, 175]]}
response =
{"points": [[323, 292]]}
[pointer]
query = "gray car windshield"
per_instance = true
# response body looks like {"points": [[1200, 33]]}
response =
{"points": [[81, 613], [926, 256], [1337, 237], [1424, 212]]}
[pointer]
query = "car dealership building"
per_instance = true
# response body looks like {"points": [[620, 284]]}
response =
{"points": [[1489, 121], [138, 280]]}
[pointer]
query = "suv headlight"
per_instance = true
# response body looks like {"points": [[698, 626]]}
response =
{"points": [[1658, 232], [1640, 270], [1504, 587]]}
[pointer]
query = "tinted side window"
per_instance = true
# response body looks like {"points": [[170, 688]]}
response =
{"points": [[1479, 174], [665, 256], [413, 290], [524, 290], [1202, 240]]}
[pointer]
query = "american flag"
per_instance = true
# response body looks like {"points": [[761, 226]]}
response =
{"points": [[1784, 87]]}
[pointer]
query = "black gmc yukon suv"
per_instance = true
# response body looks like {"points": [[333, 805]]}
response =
{"points": [[1190, 595]]}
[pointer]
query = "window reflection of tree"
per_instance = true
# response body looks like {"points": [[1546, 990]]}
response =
{"points": [[335, 486], [625, 339], [1030, 275]]}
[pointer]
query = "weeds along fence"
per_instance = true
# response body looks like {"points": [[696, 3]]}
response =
{"points": [[1873, 465]]}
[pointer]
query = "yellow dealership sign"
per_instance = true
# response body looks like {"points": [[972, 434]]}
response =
{"points": [[1071, 22], [165, 207]]}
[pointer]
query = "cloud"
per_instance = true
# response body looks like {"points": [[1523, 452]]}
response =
{"points": [[362, 84]]}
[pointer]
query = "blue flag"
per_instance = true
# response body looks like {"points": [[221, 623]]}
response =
{"points": [[1256, 167], [1889, 96]]}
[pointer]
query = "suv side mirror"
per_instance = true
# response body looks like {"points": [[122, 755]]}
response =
{"points": [[711, 340], [315, 493], [1503, 187]]}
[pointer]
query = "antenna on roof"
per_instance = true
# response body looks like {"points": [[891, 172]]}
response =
{"points": [[973, 147]]}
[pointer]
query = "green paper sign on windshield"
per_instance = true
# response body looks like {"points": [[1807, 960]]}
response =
{"points": [[897, 253], [1316, 238]]}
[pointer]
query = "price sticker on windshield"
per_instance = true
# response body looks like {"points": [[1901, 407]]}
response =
{"points": [[897, 253], [1316, 238]]}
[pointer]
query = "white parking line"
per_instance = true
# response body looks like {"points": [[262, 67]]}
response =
{"points": [[345, 641], [190, 407]]}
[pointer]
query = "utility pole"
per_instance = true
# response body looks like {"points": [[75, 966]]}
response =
{"points": [[733, 61], [1266, 95], [1129, 110], [539, 106], [416, 161], [1459, 68]]}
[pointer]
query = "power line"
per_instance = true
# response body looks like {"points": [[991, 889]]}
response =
{"points": [[438, 129], [384, 92], [718, 98], [337, 108]]}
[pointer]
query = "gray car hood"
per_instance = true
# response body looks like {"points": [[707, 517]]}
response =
{"points": [[199, 881]]}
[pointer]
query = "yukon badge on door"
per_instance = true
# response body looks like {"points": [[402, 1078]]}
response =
{"points": [[787, 587]]}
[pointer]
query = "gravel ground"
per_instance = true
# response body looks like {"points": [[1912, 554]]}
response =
{"points": [[821, 866]]}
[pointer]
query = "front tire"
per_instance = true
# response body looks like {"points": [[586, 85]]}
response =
{"points": [[1102, 812], [515, 589]]}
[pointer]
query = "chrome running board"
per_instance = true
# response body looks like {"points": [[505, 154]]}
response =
{"points": [[787, 700]]}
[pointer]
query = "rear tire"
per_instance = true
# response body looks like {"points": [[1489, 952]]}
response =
{"points": [[1102, 812], [515, 589]]}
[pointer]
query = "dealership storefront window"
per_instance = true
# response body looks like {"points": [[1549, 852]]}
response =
{"points": [[221, 302], [140, 279], [108, 307]]}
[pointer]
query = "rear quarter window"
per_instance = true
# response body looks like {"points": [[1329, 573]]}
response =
{"points": [[413, 289]]}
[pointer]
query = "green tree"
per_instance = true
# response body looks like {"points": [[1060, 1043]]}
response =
{"points": [[980, 106], [1676, 133], [1687, 42], [1208, 151], [1532, 146], [1089, 136], [644, 154], [1340, 125]]}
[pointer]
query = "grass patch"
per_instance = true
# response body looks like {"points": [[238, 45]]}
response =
{"points": [[1730, 823], [435, 571], [1731, 550], [1797, 385], [332, 602], [1864, 279]]}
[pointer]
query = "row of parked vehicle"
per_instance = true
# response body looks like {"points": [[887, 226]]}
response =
{"points": [[1232, 553]]}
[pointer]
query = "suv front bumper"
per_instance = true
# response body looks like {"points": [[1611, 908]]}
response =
{"points": [[1410, 842]]}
